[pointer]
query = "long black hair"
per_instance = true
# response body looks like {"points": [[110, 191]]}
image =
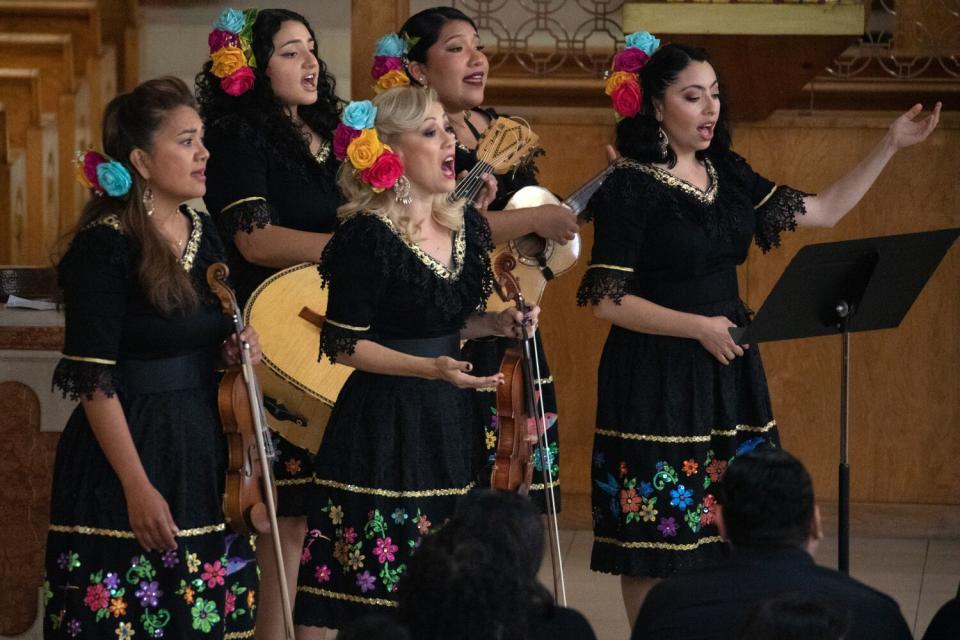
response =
{"points": [[260, 107], [637, 136], [424, 28]]}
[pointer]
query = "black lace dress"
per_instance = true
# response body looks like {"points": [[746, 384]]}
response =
{"points": [[670, 417], [486, 354], [398, 451], [250, 184], [100, 583]]}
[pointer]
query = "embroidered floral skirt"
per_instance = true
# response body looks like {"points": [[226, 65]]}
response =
{"points": [[670, 418], [99, 582], [293, 475], [486, 355], [397, 454]]}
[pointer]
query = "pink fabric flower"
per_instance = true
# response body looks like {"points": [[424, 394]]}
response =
{"points": [[213, 574], [383, 64], [219, 38], [90, 161], [631, 60], [384, 172], [97, 597], [238, 82], [627, 99], [342, 138]]}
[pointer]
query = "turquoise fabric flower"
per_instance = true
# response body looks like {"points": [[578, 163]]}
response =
{"points": [[390, 45], [644, 41], [230, 20], [114, 178], [360, 114]]}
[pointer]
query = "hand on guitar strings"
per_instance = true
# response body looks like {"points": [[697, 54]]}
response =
{"points": [[230, 351], [555, 222], [457, 373], [511, 323], [487, 193]]}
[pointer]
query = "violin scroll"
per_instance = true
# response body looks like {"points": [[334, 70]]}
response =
{"points": [[217, 274]]}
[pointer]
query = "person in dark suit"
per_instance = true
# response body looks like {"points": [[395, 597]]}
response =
{"points": [[767, 514]]}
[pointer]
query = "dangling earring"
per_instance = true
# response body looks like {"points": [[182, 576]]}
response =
{"points": [[147, 200], [422, 81], [401, 190], [662, 143]]}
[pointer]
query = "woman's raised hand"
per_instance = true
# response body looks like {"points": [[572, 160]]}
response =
{"points": [[555, 222], [906, 130]]}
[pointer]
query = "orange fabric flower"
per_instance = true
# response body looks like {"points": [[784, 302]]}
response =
{"points": [[226, 61], [364, 150], [616, 79], [690, 467], [391, 79]]}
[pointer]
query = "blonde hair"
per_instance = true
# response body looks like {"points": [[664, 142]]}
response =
{"points": [[399, 111]]}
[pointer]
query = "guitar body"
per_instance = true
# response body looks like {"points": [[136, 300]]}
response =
{"points": [[528, 272], [303, 388]]}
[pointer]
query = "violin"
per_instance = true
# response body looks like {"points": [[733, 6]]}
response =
{"points": [[518, 410], [249, 502]]}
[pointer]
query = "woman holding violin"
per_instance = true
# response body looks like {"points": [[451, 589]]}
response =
{"points": [[137, 541], [408, 273]]}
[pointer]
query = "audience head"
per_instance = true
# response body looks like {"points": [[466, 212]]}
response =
{"points": [[766, 499], [475, 578], [446, 54], [794, 616], [676, 83]]}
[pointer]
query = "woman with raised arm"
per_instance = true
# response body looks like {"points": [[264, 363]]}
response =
{"points": [[272, 189], [137, 541], [409, 274], [677, 397]]}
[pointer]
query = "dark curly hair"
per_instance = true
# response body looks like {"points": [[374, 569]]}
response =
{"points": [[259, 108], [637, 136], [476, 577]]}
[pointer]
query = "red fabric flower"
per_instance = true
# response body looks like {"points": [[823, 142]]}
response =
{"points": [[238, 82], [90, 161], [627, 99], [219, 38], [629, 500], [384, 173], [342, 138], [97, 597], [382, 64], [630, 59]]}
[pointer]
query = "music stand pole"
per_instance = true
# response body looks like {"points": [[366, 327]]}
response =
{"points": [[844, 311]]}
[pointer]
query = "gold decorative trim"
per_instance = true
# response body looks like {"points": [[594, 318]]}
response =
{"points": [[540, 486], [241, 201], [323, 152], [110, 220], [609, 266], [653, 437], [93, 360], [441, 270], [390, 493], [766, 197], [667, 178], [120, 533], [193, 244], [665, 546], [292, 482], [348, 327], [336, 595], [236, 635]]}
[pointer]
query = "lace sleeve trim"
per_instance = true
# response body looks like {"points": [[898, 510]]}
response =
{"points": [[246, 215], [337, 338], [79, 378], [777, 213], [603, 281]]}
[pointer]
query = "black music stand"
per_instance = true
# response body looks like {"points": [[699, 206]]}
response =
{"points": [[841, 288]]}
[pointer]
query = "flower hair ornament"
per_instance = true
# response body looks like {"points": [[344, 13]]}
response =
{"points": [[102, 175], [623, 83], [373, 162], [389, 61], [231, 50]]}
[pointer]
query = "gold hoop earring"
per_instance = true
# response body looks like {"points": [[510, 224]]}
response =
{"points": [[148, 200]]}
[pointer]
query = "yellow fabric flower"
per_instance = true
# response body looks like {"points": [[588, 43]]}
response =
{"points": [[391, 79], [226, 61], [364, 150], [616, 79]]}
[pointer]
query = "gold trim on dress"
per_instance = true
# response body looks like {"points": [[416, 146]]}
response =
{"points": [[336, 595], [390, 493], [766, 197], [540, 486], [292, 482], [120, 533], [609, 266], [440, 269], [653, 437], [237, 635], [110, 220], [667, 178], [665, 546], [348, 327], [193, 244], [241, 201], [93, 360]]}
